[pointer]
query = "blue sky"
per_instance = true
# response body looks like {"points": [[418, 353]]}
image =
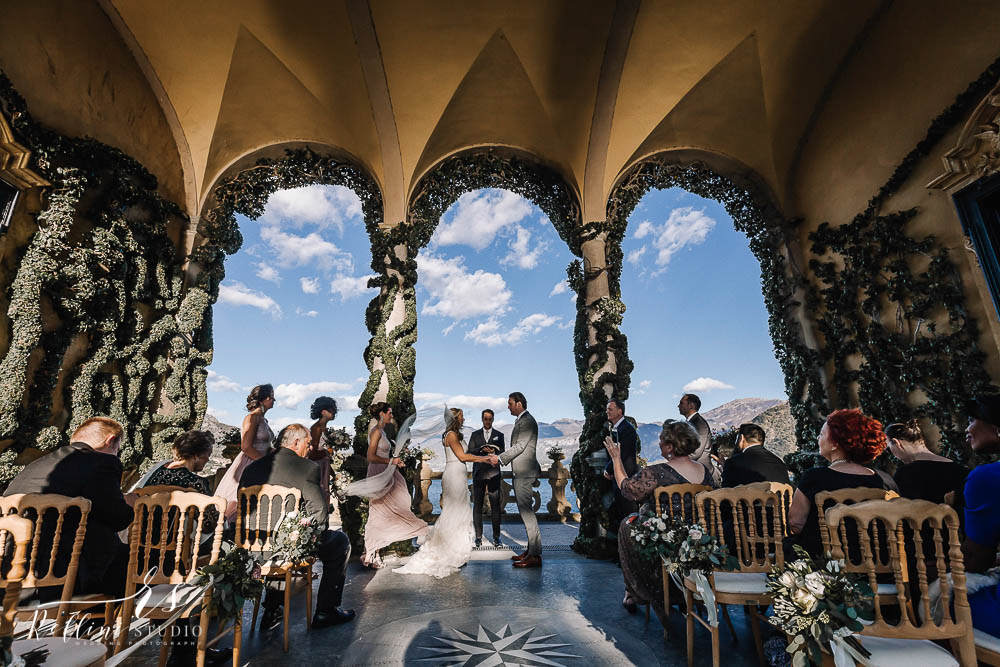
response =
{"points": [[494, 313]]}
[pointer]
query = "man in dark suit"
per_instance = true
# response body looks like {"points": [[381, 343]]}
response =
{"points": [[87, 467], [689, 406], [286, 465], [628, 440], [485, 477], [754, 463]]}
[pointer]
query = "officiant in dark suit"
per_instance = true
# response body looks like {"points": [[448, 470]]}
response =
{"points": [[628, 440], [486, 478]]}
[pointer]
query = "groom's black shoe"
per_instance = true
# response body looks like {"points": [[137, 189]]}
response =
{"points": [[479, 542], [325, 619]]}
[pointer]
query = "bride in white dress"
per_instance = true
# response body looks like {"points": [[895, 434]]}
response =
{"points": [[449, 542]]}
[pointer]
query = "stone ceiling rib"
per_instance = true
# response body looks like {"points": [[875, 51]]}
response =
{"points": [[370, 54], [183, 148], [615, 52]]}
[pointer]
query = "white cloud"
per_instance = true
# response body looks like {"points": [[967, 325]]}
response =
{"points": [[267, 272], [349, 287], [222, 415], [706, 384], [238, 294], [458, 294], [448, 329], [521, 255], [560, 287], [306, 313], [217, 382], [479, 216], [645, 229], [325, 206], [309, 285], [308, 250], [643, 386], [635, 255], [291, 394], [489, 332]]}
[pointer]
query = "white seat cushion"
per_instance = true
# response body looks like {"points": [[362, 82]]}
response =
{"points": [[885, 589], [888, 652], [753, 583], [986, 641], [65, 651], [171, 596]]}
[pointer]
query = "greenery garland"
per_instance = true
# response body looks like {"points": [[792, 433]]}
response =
{"points": [[101, 271]]}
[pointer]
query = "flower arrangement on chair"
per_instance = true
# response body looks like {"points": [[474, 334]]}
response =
{"points": [[819, 605], [296, 538], [236, 579], [684, 548]]}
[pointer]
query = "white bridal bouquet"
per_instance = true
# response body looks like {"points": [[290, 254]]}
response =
{"points": [[817, 603]]}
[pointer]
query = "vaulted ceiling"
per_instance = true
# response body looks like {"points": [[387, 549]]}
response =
{"points": [[588, 87]]}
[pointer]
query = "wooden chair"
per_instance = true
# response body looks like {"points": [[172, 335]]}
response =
{"points": [[63, 651], [827, 499], [683, 509], [748, 522], [48, 514], [166, 535], [158, 488], [911, 639], [261, 509], [987, 648], [785, 491]]}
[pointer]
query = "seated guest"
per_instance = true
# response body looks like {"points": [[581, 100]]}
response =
{"points": [[982, 511], [88, 467], [850, 441], [286, 465], [191, 452], [754, 463], [678, 440], [924, 475]]}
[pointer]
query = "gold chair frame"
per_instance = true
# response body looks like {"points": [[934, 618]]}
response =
{"points": [[682, 492], [254, 534]]}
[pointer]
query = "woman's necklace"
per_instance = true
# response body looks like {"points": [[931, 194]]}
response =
{"points": [[833, 463]]}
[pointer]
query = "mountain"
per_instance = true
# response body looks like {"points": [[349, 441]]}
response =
{"points": [[740, 411], [779, 426]]}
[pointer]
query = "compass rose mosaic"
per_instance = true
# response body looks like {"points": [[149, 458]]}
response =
{"points": [[486, 648]]}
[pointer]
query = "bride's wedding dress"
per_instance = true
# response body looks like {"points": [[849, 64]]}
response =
{"points": [[450, 540]]}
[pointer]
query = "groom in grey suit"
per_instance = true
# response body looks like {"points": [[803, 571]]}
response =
{"points": [[521, 455]]}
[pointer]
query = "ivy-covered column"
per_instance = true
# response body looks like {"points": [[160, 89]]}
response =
{"points": [[603, 366]]}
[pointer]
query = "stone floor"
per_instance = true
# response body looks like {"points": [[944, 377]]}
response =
{"points": [[566, 613]]}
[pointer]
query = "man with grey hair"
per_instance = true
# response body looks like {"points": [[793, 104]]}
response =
{"points": [[287, 465]]}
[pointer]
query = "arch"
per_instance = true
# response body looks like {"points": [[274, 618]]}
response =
{"points": [[493, 166], [751, 204]]}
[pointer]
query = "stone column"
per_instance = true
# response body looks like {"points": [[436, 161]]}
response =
{"points": [[603, 365]]}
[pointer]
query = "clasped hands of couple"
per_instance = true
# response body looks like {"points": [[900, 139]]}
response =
{"points": [[491, 458]]}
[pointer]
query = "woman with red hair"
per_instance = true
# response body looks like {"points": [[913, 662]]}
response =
{"points": [[850, 441]]}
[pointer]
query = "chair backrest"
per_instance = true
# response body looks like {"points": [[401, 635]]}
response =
{"points": [[922, 518], [261, 509], [19, 530], [827, 499], [166, 535], [677, 501], [748, 521], [51, 514], [785, 491]]}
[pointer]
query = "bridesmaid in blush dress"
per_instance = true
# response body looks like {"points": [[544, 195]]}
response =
{"points": [[389, 517], [256, 438]]}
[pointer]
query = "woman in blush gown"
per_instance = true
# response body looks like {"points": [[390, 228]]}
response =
{"points": [[256, 438], [450, 541], [390, 518]]}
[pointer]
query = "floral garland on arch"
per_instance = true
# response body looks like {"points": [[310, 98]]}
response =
{"points": [[820, 606]]}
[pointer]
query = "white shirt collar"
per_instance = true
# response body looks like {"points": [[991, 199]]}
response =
{"points": [[486, 433], [692, 415], [619, 422]]}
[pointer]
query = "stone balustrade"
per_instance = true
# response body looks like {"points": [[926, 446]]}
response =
{"points": [[558, 508]]}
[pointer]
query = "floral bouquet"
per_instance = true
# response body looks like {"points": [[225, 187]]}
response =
{"points": [[412, 456], [687, 548], [337, 438], [650, 534], [555, 452], [296, 538], [339, 478], [236, 580], [816, 603]]}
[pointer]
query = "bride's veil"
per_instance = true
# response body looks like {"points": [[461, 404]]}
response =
{"points": [[419, 426]]}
